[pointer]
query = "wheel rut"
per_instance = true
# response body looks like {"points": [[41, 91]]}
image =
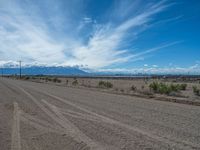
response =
{"points": [[16, 139], [64, 123], [59, 116]]}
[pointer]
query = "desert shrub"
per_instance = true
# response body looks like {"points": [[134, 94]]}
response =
{"points": [[163, 88], [116, 89], [59, 81], [55, 79], [46, 79], [142, 87], [75, 82], [67, 81], [154, 86], [108, 85], [177, 87], [183, 86], [101, 83], [196, 91], [133, 88], [104, 84], [174, 87], [122, 90]]}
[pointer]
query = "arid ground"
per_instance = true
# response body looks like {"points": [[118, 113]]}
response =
{"points": [[38, 116], [132, 86]]}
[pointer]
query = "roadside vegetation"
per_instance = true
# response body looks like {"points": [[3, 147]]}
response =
{"points": [[163, 88], [75, 82], [56, 80], [133, 88], [50, 79], [103, 84], [196, 90], [25, 77], [143, 87]]}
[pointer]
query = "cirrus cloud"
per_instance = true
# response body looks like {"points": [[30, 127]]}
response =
{"points": [[57, 36]]}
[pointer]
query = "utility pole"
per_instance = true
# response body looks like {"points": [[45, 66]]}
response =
{"points": [[20, 69], [2, 72]]}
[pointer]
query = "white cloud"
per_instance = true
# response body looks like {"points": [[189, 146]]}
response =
{"points": [[155, 66], [27, 36], [154, 70], [196, 66], [87, 20]]}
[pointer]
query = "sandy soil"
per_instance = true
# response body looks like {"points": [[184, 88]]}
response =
{"points": [[48, 117], [123, 87]]}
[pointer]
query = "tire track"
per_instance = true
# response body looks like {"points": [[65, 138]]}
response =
{"points": [[38, 121], [83, 117], [64, 123], [44, 127], [74, 132], [25, 145], [16, 140], [9, 87], [79, 115], [171, 142]]}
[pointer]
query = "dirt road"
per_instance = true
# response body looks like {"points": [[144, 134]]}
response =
{"points": [[35, 116]]}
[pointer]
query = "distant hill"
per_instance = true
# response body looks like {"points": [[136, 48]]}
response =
{"points": [[45, 71]]}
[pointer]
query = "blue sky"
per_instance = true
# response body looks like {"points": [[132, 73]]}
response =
{"points": [[101, 35]]}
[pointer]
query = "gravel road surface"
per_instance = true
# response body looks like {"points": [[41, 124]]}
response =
{"points": [[36, 116]]}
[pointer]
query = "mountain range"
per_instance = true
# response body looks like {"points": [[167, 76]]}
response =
{"points": [[37, 70]]}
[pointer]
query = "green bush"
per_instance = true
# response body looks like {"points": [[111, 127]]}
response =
{"points": [[75, 82], [163, 88], [133, 88], [55, 79], [67, 82], [196, 91], [183, 86], [104, 84], [59, 81], [174, 87], [154, 86]]}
